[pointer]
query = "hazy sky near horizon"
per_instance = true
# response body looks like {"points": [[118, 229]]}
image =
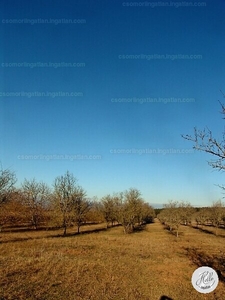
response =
{"points": [[105, 89]]}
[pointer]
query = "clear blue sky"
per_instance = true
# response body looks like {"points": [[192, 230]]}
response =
{"points": [[102, 117]]}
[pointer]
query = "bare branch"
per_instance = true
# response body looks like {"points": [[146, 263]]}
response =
{"points": [[7, 181], [205, 141]]}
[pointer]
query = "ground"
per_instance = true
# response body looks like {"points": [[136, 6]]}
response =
{"points": [[107, 264]]}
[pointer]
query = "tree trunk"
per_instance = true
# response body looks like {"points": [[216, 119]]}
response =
{"points": [[216, 230], [64, 232], [177, 230]]}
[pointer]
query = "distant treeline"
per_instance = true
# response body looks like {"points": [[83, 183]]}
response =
{"points": [[176, 213]]}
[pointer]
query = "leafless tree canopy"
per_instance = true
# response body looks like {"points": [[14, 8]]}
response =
{"points": [[205, 141], [7, 181], [70, 200], [127, 208], [35, 197], [176, 213]]}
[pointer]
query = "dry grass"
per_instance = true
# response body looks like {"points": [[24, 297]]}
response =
{"points": [[104, 265]]}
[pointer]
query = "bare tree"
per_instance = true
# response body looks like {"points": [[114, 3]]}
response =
{"points": [[130, 212], [35, 194], [65, 187], [175, 214], [80, 207], [217, 214], [126, 208], [147, 213], [172, 215], [205, 141], [13, 211], [202, 216], [106, 207], [187, 212], [110, 207], [7, 181], [95, 214]]}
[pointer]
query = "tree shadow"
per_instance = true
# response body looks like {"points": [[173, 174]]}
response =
{"points": [[203, 230], [165, 298], [208, 231], [139, 228], [86, 232], [54, 235], [17, 240], [200, 258]]}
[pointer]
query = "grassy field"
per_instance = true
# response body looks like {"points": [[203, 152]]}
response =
{"points": [[107, 264]]}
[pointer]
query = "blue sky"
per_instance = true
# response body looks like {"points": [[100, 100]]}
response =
{"points": [[45, 132]]}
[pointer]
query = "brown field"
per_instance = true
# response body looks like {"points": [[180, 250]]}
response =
{"points": [[108, 264]]}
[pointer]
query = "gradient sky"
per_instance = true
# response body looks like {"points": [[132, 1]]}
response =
{"points": [[35, 128]]}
